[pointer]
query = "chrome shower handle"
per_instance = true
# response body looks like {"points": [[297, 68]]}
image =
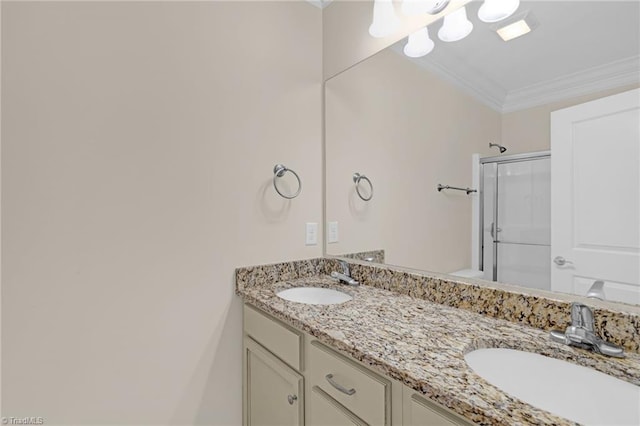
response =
{"points": [[494, 231]]}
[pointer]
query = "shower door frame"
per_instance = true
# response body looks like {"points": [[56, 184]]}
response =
{"points": [[501, 159]]}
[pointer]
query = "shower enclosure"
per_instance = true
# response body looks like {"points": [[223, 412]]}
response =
{"points": [[515, 213]]}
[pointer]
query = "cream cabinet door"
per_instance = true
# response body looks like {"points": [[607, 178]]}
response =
{"points": [[420, 412], [326, 411], [274, 393]]}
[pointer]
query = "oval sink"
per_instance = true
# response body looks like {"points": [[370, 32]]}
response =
{"points": [[568, 390], [314, 296]]}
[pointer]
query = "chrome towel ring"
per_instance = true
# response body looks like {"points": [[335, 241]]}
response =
{"points": [[357, 177], [278, 171]]}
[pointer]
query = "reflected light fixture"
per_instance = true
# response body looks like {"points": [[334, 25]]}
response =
{"points": [[420, 7], [419, 44], [385, 22], [456, 26], [497, 10]]}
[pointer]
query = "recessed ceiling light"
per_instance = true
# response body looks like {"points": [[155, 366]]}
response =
{"points": [[516, 27], [511, 31]]}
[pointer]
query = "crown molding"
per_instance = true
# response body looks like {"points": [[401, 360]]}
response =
{"points": [[482, 89], [614, 74], [608, 76]]}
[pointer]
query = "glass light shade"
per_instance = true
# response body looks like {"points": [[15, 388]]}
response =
{"points": [[420, 7], [497, 10], [456, 26], [385, 22], [419, 44]]}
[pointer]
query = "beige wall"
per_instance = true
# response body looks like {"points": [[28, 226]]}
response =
{"points": [[138, 142], [529, 129], [346, 39], [408, 131]]}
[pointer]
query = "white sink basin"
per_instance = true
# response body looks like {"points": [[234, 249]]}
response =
{"points": [[568, 390], [314, 296]]}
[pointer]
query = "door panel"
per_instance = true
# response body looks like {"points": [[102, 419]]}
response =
{"points": [[275, 395], [596, 196]]}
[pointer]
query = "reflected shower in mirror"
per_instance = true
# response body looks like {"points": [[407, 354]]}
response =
{"points": [[476, 115]]}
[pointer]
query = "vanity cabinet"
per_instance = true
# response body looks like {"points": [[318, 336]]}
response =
{"points": [[418, 411], [323, 410], [274, 391], [290, 378], [273, 385], [362, 392]]}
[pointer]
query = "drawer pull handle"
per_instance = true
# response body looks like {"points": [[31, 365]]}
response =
{"points": [[338, 386], [292, 399]]}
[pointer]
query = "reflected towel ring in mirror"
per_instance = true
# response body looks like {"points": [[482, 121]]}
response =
{"points": [[278, 171], [357, 177]]}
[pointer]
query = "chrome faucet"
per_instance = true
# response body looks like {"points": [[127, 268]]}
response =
{"points": [[596, 291], [581, 333], [345, 276]]}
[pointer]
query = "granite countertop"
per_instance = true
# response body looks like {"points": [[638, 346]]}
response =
{"points": [[422, 344]]}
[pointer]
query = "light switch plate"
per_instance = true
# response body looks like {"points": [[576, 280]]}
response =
{"points": [[332, 232], [311, 234]]}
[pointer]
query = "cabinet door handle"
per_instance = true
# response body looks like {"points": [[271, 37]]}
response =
{"points": [[292, 399], [338, 386]]}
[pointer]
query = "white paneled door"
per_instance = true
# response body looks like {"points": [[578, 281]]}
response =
{"points": [[595, 197]]}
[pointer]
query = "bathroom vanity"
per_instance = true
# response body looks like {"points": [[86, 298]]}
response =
{"points": [[386, 357], [292, 378]]}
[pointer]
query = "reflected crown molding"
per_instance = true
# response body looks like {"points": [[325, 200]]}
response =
{"points": [[608, 76], [597, 79]]}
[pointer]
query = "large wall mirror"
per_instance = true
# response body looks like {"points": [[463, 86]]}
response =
{"points": [[513, 161]]}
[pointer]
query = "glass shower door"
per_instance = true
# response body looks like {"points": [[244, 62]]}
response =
{"points": [[517, 222]]}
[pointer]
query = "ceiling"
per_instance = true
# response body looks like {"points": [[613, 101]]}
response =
{"points": [[579, 47]]}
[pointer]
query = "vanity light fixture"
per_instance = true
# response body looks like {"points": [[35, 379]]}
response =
{"points": [[518, 26], [419, 44], [456, 26], [420, 7], [385, 22], [497, 10]]}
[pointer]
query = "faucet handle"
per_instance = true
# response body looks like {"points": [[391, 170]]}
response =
{"points": [[582, 316], [581, 333], [345, 267]]}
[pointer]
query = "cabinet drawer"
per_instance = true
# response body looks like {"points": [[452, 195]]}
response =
{"points": [[419, 412], [326, 411], [361, 391], [281, 340]]}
